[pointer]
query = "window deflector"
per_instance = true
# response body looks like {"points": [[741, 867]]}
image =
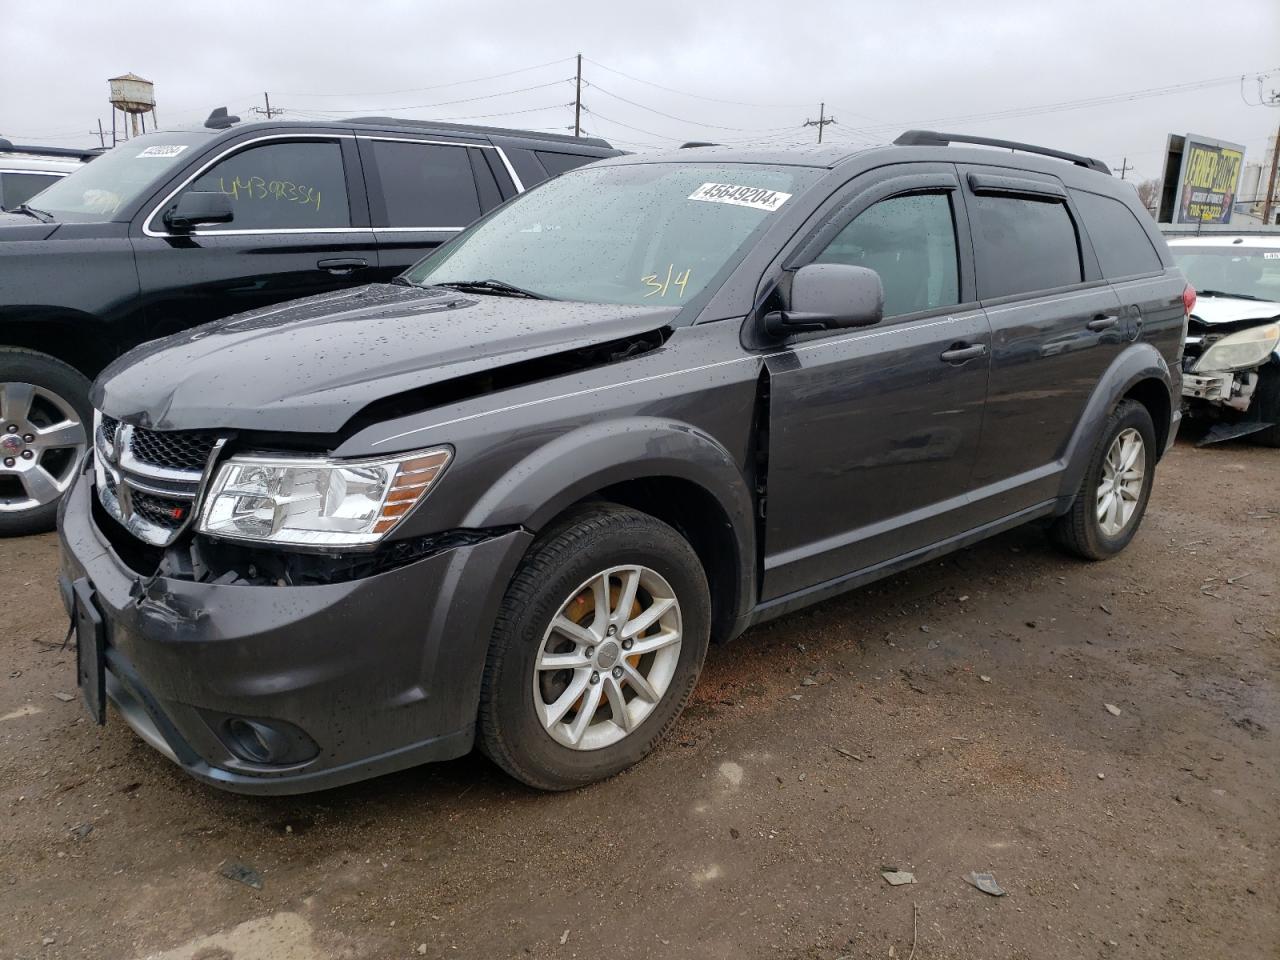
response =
{"points": [[864, 200]]}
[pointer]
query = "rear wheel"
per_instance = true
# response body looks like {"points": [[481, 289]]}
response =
{"points": [[1113, 495], [597, 648], [44, 430]]}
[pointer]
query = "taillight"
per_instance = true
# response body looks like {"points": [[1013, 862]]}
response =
{"points": [[1188, 299]]}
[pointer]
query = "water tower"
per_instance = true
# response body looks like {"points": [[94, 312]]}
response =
{"points": [[135, 97]]}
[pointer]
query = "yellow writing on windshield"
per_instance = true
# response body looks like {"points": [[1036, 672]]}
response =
{"points": [[659, 287], [259, 188]]}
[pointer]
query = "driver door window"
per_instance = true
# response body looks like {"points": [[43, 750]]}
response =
{"points": [[910, 241], [281, 186]]}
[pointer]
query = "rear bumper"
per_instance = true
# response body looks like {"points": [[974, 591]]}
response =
{"points": [[360, 677]]}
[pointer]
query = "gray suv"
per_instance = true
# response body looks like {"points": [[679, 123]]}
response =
{"points": [[508, 498]]}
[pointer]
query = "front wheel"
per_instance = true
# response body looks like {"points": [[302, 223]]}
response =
{"points": [[597, 647], [44, 431], [1113, 495]]}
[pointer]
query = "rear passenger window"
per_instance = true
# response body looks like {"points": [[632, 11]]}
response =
{"points": [[1023, 245], [1122, 245], [281, 186], [911, 243], [558, 163], [426, 185]]}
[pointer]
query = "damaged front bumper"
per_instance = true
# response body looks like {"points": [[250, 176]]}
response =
{"points": [[1223, 404], [288, 689]]}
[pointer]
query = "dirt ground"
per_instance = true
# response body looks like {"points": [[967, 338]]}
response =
{"points": [[948, 720]]}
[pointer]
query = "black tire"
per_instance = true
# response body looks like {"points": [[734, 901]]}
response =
{"points": [[27, 366], [1267, 396], [1078, 531], [588, 541]]}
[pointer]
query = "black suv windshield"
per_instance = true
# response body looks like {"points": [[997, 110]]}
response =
{"points": [[636, 234], [1235, 271], [103, 187]]}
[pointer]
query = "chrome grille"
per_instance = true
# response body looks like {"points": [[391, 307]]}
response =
{"points": [[181, 450], [149, 480]]}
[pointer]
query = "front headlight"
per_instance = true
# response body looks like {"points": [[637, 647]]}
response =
{"points": [[316, 502], [1240, 351]]}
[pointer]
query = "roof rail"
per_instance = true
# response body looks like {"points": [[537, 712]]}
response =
{"points": [[463, 128], [930, 138], [83, 154]]}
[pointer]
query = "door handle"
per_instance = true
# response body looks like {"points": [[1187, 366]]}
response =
{"points": [[341, 266], [960, 352], [1103, 321]]}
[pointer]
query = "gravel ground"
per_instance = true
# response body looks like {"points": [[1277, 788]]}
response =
{"points": [[948, 720]]}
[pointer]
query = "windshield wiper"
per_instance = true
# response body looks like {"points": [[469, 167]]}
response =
{"points": [[497, 287], [1227, 293], [30, 211]]}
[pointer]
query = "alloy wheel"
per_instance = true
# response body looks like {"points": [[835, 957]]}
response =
{"points": [[607, 658], [41, 441], [1123, 473]]}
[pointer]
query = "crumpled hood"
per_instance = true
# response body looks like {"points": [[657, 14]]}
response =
{"points": [[17, 226], [1215, 310], [310, 365]]}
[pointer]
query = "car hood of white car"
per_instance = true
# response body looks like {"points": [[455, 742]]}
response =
{"points": [[1215, 310]]}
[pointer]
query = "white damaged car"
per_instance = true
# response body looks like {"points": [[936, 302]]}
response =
{"points": [[1231, 370]]}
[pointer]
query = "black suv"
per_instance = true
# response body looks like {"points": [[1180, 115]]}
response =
{"points": [[511, 496], [173, 229]]}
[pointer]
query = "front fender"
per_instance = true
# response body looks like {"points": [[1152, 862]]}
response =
{"points": [[1139, 362], [577, 464]]}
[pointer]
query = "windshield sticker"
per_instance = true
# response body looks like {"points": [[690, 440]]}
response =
{"points": [[659, 288], [758, 198], [164, 151]]}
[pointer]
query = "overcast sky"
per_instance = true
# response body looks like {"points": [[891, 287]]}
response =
{"points": [[880, 66]]}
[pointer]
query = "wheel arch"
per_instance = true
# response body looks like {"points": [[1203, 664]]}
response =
{"points": [[74, 337], [669, 470], [1140, 373]]}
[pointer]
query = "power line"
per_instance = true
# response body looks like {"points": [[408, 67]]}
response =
{"points": [[696, 96], [671, 116], [648, 133], [449, 103], [438, 86], [1062, 105]]}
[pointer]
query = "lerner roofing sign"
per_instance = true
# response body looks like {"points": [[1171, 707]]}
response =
{"points": [[1207, 180]]}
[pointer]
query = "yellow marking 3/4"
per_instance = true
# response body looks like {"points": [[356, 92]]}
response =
{"points": [[659, 288]]}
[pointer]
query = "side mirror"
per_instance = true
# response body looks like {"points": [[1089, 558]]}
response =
{"points": [[196, 207], [829, 296]]}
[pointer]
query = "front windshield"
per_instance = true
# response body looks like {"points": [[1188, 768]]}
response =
{"points": [[103, 187], [639, 234], [1237, 271]]}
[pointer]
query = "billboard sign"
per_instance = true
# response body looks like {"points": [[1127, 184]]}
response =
{"points": [[1208, 177]]}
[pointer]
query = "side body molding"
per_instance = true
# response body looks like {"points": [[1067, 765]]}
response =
{"points": [[573, 465]]}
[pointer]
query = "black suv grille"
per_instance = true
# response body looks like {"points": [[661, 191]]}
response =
{"points": [[109, 427], [179, 450]]}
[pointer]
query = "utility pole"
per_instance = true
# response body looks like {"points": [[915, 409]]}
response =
{"points": [[1271, 182], [1123, 168], [577, 102], [266, 98], [822, 120], [102, 137]]}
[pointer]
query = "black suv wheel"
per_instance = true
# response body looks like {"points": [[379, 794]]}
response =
{"points": [[1113, 496], [44, 429], [597, 648]]}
